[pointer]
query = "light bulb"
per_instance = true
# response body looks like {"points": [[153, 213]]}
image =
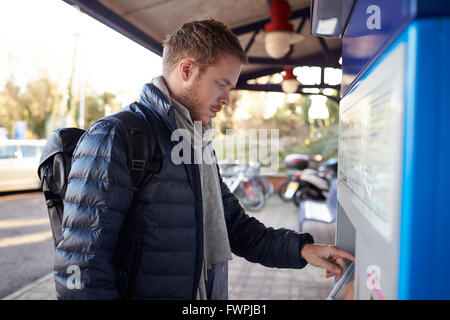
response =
{"points": [[290, 85], [277, 43]]}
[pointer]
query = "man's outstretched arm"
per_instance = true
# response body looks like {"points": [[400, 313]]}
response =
{"points": [[249, 238], [279, 248]]}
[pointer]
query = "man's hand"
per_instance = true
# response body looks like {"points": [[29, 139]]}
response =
{"points": [[328, 257]]}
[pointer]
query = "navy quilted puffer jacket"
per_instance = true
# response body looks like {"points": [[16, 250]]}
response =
{"points": [[149, 247]]}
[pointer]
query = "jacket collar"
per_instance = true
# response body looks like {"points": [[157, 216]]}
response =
{"points": [[155, 100]]}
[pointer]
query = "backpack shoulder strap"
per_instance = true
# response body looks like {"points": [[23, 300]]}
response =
{"points": [[139, 155]]}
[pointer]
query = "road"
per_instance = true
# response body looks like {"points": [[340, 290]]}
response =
{"points": [[26, 245]]}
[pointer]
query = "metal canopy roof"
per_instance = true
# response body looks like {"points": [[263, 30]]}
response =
{"points": [[147, 22]]}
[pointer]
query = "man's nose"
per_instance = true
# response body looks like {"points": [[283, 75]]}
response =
{"points": [[225, 99]]}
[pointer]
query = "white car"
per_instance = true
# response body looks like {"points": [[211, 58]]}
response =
{"points": [[19, 160]]}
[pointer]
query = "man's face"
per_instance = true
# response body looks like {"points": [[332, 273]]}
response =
{"points": [[205, 95]]}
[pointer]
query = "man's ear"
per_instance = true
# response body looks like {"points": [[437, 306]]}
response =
{"points": [[185, 69]]}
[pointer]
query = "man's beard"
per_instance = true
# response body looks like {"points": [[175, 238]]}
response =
{"points": [[190, 97], [191, 101]]}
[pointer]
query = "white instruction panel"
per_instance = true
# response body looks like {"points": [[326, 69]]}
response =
{"points": [[371, 142]]}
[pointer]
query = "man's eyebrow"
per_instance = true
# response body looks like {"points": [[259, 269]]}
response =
{"points": [[228, 83]]}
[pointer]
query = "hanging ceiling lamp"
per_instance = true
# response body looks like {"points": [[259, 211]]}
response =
{"points": [[318, 109], [290, 83], [278, 33]]}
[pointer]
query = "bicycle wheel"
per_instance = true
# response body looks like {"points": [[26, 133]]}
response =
{"points": [[251, 195], [267, 184]]}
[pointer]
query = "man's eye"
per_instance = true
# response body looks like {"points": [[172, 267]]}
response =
{"points": [[221, 86]]}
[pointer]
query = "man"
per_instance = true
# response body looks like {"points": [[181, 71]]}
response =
{"points": [[174, 238]]}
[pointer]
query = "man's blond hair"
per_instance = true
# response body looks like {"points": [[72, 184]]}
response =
{"points": [[205, 41]]}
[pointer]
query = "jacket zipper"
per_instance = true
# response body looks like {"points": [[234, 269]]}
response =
{"points": [[199, 224], [199, 217], [134, 271]]}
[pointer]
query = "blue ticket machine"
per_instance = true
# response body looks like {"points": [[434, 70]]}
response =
{"points": [[394, 145]]}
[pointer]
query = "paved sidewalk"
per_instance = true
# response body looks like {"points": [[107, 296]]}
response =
{"points": [[256, 282], [247, 281]]}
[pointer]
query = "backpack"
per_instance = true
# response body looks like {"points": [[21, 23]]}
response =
{"points": [[56, 161]]}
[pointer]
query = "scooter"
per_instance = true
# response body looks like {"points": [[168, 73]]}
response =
{"points": [[297, 162], [315, 184]]}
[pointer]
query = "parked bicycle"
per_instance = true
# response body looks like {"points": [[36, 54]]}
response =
{"points": [[246, 183]]}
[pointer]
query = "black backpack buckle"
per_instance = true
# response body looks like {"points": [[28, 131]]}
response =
{"points": [[50, 203], [138, 164]]}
